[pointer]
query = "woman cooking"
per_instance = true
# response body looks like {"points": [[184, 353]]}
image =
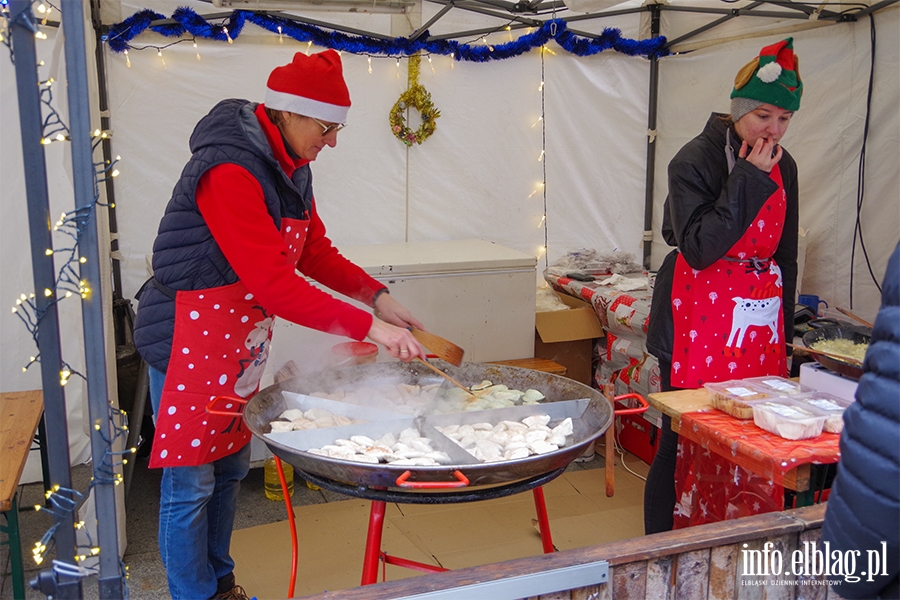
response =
{"points": [[241, 223], [723, 301]]}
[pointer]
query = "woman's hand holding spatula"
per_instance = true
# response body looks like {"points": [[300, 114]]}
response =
{"points": [[390, 328]]}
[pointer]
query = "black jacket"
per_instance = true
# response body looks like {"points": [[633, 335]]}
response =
{"points": [[864, 505], [185, 255], [707, 211]]}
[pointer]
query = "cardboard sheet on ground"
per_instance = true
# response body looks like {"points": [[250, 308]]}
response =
{"points": [[332, 536]]}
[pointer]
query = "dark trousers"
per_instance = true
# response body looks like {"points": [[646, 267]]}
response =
{"points": [[659, 492]]}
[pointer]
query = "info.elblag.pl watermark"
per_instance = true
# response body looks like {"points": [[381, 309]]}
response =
{"points": [[810, 562]]}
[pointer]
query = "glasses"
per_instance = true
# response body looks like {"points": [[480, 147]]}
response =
{"points": [[326, 129]]}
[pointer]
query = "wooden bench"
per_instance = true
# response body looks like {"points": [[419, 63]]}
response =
{"points": [[20, 413]]}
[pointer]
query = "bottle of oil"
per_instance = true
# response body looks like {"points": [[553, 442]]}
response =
{"points": [[273, 483]]}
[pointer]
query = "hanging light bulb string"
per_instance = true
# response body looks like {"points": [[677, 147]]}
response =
{"points": [[62, 502], [185, 21], [544, 162]]}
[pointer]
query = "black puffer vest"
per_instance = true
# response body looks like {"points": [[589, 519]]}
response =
{"points": [[185, 255]]}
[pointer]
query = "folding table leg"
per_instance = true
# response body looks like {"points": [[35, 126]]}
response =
{"points": [[373, 543], [15, 548]]}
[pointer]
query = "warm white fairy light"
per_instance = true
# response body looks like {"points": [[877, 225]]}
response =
{"points": [[197, 50], [541, 250], [540, 186], [159, 54], [308, 46], [541, 157], [543, 219], [127, 60], [225, 29], [541, 87], [541, 118], [431, 64], [280, 35], [452, 60], [370, 65], [398, 68], [40, 35]]}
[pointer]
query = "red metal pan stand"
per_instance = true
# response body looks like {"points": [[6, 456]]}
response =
{"points": [[380, 497]]}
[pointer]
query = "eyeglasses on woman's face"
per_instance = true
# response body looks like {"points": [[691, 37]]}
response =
{"points": [[326, 129]]}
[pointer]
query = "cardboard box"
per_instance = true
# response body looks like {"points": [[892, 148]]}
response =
{"points": [[568, 336]]}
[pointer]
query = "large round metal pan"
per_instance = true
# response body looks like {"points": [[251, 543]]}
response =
{"points": [[269, 403], [857, 335]]}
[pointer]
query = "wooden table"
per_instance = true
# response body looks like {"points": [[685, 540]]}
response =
{"points": [[20, 413], [679, 402], [538, 364]]}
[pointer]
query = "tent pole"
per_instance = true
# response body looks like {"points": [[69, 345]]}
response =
{"points": [[651, 140], [22, 27], [106, 145], [112, 577]]}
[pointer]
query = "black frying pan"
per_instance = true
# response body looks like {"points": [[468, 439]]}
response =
{"points": [[858, 335]]}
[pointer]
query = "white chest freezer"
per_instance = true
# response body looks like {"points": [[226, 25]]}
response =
{"points": [[477, 294]]}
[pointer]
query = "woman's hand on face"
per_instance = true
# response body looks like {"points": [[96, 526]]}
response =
{"points": [[399, 342], [391, 311], [764, 155]]}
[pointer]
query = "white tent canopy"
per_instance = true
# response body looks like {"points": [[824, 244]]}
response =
{"points": [[545, 152]]}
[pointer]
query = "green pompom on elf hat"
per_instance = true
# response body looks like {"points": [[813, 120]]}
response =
{"points": [[771, 78]]}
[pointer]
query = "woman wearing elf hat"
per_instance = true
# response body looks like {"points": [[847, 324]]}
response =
{"points": [[723, 302], [241, 222]]}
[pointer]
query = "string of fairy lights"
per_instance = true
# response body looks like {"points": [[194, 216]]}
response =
{"points": [[61, 502], [188, 26]]}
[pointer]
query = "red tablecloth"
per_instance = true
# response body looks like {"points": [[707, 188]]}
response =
{"points": [[729, 468]]}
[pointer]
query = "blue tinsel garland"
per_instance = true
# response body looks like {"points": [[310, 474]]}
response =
{"points": [[188, 21]]}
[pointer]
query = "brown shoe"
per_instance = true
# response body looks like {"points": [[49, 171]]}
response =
{"points": [[235, 593]]}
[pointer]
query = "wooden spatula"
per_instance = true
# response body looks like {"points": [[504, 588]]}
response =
{"points": [[443, 349], [447, 377]]}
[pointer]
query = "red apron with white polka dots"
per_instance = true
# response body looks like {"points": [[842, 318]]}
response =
{"points": [[219, 348], [728, 317]]}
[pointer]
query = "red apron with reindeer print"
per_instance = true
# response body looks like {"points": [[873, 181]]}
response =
{"points": [[219, 348], [728, 318]]}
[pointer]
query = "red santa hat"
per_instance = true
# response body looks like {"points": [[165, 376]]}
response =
{"points": [[312, 86]]}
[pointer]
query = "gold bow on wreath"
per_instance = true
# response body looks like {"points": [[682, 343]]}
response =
{"points": [[417, 97]]}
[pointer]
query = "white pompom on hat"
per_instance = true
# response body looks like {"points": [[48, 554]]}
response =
{"points": [[312, 86]]}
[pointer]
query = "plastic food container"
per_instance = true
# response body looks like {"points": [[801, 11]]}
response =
{"points": [[779, 386], [830, 405], [732, 397], [789, 419]]}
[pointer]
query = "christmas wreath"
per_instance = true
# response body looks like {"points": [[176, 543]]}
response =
{"points": [[417, 97]]}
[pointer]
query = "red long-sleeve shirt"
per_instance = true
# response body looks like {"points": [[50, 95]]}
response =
{"points": [[232, 203]]}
